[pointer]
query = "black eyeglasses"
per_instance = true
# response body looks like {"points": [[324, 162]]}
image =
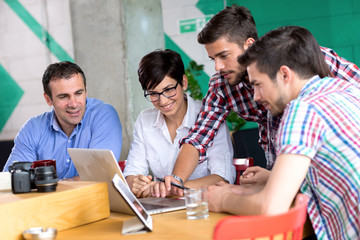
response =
{"points": [[154, 96]]}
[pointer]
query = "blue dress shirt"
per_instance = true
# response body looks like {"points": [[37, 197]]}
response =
{"points": [[42, 138]]}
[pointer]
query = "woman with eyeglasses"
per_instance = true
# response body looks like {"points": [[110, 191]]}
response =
{"points": [[158, 130]]}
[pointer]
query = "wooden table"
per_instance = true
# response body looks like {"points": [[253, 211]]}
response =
{"points": [[66, 208], [172, 225]]}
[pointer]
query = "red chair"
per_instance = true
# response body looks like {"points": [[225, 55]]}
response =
{"points": [[122, 165], [284, 226], [241, 164]]}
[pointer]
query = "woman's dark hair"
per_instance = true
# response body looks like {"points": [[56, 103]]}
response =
{"points": [[291, 46], [156, 65], [60, 70], [235, 23]]}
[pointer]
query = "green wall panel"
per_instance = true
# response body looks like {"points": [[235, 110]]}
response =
{"points": [[210, 6], [39, 31], [10, 95], [335, 24], [10, 92], [357, 52], [203, 78], [356, 5], [281, 10]]}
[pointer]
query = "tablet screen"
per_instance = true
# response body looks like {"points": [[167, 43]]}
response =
{"points": [[133, 202]]}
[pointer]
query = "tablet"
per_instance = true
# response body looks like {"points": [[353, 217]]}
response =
{"points": [[138, 209]]}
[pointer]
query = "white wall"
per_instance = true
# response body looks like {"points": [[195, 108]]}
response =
{"points": [[106, 38], [25, 57]]}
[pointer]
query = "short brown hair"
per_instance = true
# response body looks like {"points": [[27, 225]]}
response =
{"points": [[59, 70], [156, 65], [235, 23], [292, 46]]}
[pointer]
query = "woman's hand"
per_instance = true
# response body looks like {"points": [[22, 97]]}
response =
{"points": [[142, 186]]}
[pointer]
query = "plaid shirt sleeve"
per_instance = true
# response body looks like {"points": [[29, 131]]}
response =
{"points": [[341, 68], [212, 114]]}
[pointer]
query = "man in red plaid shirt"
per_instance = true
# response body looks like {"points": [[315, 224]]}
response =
{"points": [[226, 36]]}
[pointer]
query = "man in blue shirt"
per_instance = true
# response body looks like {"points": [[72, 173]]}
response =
{"points": [[74, 122]]}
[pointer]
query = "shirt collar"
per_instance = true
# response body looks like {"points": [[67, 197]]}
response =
{"points": [[246, 83], [160, 120], [309, 85], [53, 122]]}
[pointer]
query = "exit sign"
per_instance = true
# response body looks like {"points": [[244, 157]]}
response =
{"points": [[193, 24]]}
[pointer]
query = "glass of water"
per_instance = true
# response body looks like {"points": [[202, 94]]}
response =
{"points": [[196, 203]]}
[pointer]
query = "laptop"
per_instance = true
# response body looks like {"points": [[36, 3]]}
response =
{"points": [[100, 165]]}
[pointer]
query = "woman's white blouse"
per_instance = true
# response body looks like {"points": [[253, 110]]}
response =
{"points": [[152, 147]]}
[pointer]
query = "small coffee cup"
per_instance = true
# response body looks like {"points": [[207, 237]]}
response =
{"points": [[41, 163]]}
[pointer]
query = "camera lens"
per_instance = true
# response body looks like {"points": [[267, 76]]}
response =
{"points": [[45, 179]]}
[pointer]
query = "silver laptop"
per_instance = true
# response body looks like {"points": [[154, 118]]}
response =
{"points": [[100, 165]]}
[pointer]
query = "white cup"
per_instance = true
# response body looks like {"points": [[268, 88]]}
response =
{"points": [[40, 233], [196, 203]]}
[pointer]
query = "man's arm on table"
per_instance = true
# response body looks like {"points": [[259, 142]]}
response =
{"points": [[276, 197], [204, 181]]}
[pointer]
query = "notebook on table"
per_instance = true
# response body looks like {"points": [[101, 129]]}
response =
{"points": [[100, 165]]}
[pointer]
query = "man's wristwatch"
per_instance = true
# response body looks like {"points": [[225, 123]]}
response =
{"points": [[178, 178]]}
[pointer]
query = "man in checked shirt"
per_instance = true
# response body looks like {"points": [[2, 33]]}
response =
{"points": [[226, 36]]}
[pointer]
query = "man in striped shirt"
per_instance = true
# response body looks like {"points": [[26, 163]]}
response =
{"points": [[318, 139]]}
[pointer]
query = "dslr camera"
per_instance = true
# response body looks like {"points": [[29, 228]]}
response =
{"points": [[24, 178]]}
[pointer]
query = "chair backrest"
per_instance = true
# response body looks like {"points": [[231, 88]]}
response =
{"points": [[241, 164], [246, 144], [280, 226], [122, 165], [5, 150]]}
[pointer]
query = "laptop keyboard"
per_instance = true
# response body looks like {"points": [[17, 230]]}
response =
{"points": [[152, 206]]}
